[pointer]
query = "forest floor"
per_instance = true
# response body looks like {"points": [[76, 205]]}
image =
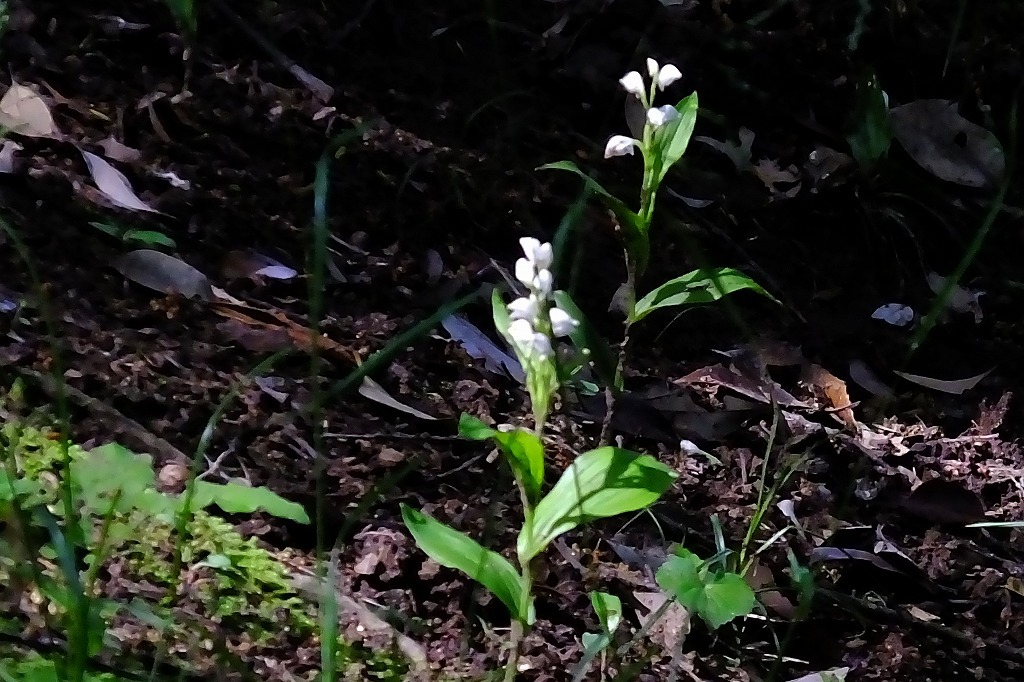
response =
{"points": [[460, 108]]}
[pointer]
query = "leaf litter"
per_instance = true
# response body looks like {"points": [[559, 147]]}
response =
{"points": [[166, 364]]}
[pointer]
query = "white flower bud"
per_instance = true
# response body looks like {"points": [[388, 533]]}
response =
{"points": [[538, 253], [562, 322], [652, 68], [668, 75], [633, 83], [525, 308], [542, 346], [521, 332], [619, 145], [529, 341], [659, 116], [543, 283], [525, 272]]}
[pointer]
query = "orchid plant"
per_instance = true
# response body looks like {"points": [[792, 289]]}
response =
{"points": [[662, 134], [603, 482]]}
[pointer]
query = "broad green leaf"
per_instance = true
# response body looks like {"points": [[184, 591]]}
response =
{"points": [[600, 483], [474, 429], [236, 498], [453, 549], [608, 608], [634, 229], [699, 286], [727, 595], [675, 136], [523, 450], [113, 474], [584, 335], [716, 597]]}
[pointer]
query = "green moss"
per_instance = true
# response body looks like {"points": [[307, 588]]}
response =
{"points": [[238, 583]]}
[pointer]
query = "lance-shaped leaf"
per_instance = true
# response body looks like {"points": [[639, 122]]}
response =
{"points": [[674, 137], [585, 335], [453, 549], [700, 286], [522, 448], [633, 228], [600, 483]]}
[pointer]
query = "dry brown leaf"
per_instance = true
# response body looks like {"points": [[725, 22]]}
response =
{"points": [[833, 389]]}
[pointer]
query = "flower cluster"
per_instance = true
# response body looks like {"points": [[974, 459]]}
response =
{"points": [[633, 83], [534, 319]]}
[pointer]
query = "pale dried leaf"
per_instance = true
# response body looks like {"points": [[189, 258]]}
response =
{"points": [[7, 158], [117, 151], [671, 629], [953, 386], [371, 390], [113, 184], [961, 300], [25, 112], [946, 144], [833, 675], [164, 273], [862, 375]]}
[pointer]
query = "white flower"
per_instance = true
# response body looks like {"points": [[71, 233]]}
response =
{"points": [[542, 346], [538, 253], [525, 308], [528, 340], [521, 332], [659, 116], [525, 271], [543, 283], [652, 68], [562, 322], [633, 83], [668, 75], [619, 145]]}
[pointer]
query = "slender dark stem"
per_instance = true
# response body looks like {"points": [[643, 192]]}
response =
{"points": [[611, 393]]}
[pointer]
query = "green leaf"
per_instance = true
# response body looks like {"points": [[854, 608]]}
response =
{"points": [[634, 230], [474, 429], [499, 312], [236, 498], [716, 597], [149, 238], [114, 475], [523, 450], [673, 138], [608, 608], [699, 286], [584, 335], [453, 549], [870, 127], [600, 483]]}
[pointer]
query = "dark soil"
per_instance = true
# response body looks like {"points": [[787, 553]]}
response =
{"points": [[462, 101]]}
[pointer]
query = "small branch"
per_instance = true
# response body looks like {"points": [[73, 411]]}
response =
{"points": [[322, 90]]}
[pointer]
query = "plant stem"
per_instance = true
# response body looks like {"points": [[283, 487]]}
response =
{"points": [[519, 625]]}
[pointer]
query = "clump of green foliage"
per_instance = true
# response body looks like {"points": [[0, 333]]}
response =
{"points": [[247, 586]]}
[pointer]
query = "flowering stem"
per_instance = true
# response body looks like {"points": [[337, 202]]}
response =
{"points": [[611, 392], [518, 629]]}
